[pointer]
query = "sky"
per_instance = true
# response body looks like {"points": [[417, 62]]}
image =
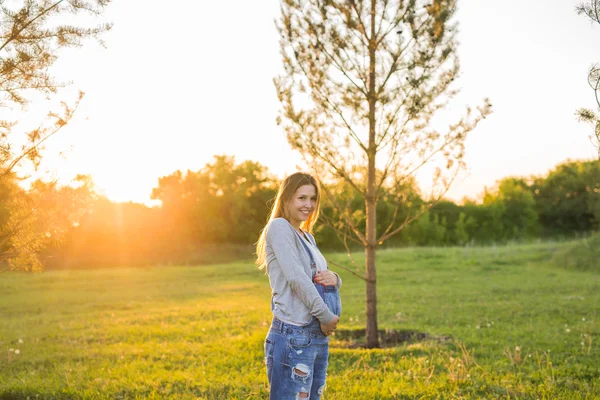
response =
{"points": [[178, 84]]}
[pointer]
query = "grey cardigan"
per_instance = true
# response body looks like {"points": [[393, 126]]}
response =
{"points": [[295, 297]]}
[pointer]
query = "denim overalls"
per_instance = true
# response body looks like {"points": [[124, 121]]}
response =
{"points": [[329, 294], [296, 356]]}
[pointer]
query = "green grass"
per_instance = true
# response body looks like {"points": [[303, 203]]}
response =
{"points": [[500, 322]]}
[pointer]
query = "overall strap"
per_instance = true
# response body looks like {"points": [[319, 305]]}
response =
{"points": [[311, 239], [313, 264]]}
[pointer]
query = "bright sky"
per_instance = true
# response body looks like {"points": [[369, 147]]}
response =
{"points": [[180, 83]]}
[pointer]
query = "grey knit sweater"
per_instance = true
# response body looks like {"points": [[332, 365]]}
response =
{"points": [[295, 297]]}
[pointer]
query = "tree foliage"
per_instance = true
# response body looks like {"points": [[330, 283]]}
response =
{"points": [[38, 218], [567, 199], [224, 202], [32, 33]]}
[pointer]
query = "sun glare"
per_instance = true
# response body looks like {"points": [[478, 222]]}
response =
{"points": [[121, 187]]}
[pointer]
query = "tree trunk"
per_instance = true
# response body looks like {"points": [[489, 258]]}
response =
{"points": [[371, 334], [371, 199]]}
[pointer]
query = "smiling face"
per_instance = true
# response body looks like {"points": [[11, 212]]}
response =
{"points": [[301, 205]]}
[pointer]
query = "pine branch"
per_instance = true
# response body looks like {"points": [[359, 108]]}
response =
{"points": [[15, 33], [61, 122]]}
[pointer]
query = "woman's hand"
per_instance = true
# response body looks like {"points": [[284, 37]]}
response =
{"points": [[326, 278], [328, 329]]}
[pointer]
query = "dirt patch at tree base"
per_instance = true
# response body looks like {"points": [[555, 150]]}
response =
{"points": [[355, 338]]}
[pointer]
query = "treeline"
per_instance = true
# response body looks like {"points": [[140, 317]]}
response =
{"points": [[564, 203], [216, 214]]}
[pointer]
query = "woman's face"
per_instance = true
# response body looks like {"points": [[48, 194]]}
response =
{"points": [[302, 204]]}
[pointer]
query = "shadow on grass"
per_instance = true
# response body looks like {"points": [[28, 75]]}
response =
{"points": [[355, 338], [18, 394]]}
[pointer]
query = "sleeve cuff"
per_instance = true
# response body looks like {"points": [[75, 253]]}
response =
{"points": [[339, 282]]}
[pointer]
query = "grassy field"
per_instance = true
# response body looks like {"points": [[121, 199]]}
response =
{"points": [[495, 323]]}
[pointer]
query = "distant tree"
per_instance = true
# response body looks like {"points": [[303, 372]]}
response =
{"points": [[592, 10], [31, 34], [239, 196], [362, 81], [566, 199], [419, 231], [461, 233], [224, 202], [519, 217], [447, 213], [508, 211], [484, 220]]}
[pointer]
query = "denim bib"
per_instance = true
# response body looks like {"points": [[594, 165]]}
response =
{"points": [[329, 294]]}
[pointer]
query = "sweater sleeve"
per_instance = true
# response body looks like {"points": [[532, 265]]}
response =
{"points": [[339, 282], [282, 240]]}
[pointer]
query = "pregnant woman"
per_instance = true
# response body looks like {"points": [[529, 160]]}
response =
{"points": [[305, 298]]}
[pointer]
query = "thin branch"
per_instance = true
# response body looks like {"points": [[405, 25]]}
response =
{"points": [[394, 117], [343, 236], [360, 22], [399, 54], [342, 70], [35, 87], [395, 24], [409, 219], [393, 219], [322, 47], [351, 131], [389, 163], [384, 8], [347, 269], [425, 160], [329, 222], [68, 117], [338, 170], [355, 230]]}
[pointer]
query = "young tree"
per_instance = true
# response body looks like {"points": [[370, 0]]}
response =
{"points": [[32, 32], [592, 10], [362, 82]]}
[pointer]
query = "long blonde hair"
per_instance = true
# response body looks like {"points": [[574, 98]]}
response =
{"points": [[285, 193]]}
